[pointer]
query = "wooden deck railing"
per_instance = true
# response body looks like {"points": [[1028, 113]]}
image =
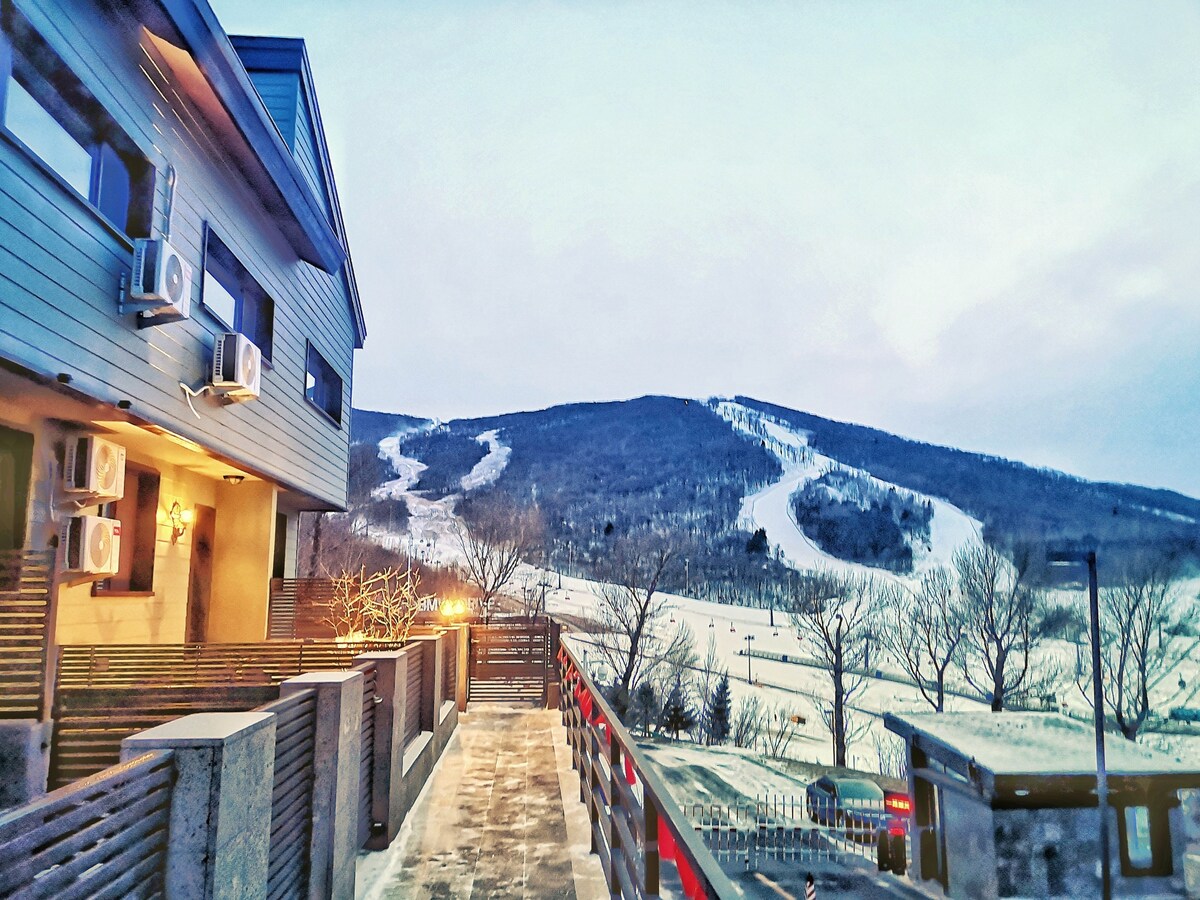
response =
{"points": [[636, 825], [26, 578], [106, 693], [103, 836]]}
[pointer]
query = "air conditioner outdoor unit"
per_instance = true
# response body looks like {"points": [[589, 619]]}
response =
{"points": [[162, 281], [95, 467], [91, 545], [237, 367]]}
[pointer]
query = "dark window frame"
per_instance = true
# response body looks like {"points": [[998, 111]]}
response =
{"points": [[121, 179], [254, 307], [325, 394], [1162, 863], [137, 512]]}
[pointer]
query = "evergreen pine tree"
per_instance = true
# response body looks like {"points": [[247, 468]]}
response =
{"points": [[678, 713], [717, 715]]}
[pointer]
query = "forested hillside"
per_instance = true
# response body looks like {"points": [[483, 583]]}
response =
{"points": [[599, 471]]}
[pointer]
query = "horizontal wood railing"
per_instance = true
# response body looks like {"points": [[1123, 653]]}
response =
{"points": [[26, 578], [106, 693], [103, 836], [636, 825]]}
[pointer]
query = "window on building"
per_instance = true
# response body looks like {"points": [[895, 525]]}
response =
{"points": [[49, 112], [234, 297], [323, 386], [137, 512], [1145, 838], [16, 467]]}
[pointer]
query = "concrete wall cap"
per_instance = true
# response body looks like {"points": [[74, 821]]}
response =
{"points": [[380, 654], [200, 729], [323, 677]]}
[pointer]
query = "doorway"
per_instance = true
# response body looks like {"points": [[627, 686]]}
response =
{"points": [[200, 574], [16, 467]]}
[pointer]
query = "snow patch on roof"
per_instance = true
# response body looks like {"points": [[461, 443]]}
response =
{"points": [[1038, 743]]}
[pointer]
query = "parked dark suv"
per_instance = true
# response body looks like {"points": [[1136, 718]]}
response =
{"points": [[854, 806]]}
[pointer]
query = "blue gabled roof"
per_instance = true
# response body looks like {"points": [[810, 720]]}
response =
{"points": [[302, 130], [307, 223]]}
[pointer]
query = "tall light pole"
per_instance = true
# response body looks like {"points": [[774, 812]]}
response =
{"points": [[1088, 558], [749, 677]]}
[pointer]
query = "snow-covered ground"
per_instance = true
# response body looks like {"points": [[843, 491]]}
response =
{"points": [[431, 532], [488, 469], [771, 508]]}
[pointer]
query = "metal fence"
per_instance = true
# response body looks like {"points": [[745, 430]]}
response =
{"points": [[636, 826], [366, 758], [803, 829], [292, 794], [104, 836]]}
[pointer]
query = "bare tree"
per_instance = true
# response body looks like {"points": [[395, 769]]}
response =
{"points": [[747, 722], [498, 537], [1137, 617], [924, 629], [631, 611], [998, 638], [891, 755], [779, 727], [381, 606], [835, 611]]}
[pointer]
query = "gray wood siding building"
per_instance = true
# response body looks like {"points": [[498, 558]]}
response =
{"points": [[238, 174]]}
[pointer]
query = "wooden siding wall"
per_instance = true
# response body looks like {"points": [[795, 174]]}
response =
{"points": [[60, 266], [279, 91]]}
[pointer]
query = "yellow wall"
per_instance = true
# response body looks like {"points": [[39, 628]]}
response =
{"points": [[114, 619], [242, 557], [243, 546]]}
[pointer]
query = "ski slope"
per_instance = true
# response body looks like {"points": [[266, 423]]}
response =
{"points": [[771, 508]]}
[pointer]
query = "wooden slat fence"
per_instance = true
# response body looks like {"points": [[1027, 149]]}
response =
{"points": [[510, 663], [299, 607], [366, 762], [267, 662], [26, 579], [90, 723], [105, 836], [291, 795], [412, 709], [106, 693], [450, 665], [636, 825]]}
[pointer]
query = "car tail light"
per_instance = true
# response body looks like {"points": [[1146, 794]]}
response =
{"points": [[898, 804], [896, 830]]}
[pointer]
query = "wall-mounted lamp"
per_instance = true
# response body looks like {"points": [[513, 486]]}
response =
{"points": [[180, 519], [234, 479]]}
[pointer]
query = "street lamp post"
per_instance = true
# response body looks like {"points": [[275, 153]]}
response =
{"points": [[749, 677], [1088, 558]]}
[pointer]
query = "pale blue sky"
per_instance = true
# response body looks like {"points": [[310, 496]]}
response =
{"points": [[973, 224]]}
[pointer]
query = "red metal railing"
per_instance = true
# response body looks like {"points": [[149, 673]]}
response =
{"points": [[636, 825]]}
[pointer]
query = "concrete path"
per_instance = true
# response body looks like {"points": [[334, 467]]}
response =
{"points": [[491, 822]]}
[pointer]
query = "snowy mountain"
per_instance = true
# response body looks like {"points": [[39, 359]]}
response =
{"points": [[713, 473]]}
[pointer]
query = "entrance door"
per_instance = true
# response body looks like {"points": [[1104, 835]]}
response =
{"points": [[200, 578], [16, 466]]}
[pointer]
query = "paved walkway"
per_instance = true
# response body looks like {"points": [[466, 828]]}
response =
{"points": [[491, 821]]}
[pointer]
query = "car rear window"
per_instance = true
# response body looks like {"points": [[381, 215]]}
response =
{"points": [[859, 790]]}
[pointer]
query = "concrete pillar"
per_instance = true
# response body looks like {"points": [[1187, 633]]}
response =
{"points": [[24, 760], [335, 780], [220, 825], [388, 797]]}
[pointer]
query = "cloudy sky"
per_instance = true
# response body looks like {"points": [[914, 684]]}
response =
{"points": [[971, 224]]}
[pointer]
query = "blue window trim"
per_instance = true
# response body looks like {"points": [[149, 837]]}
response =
{"points": [[309, 349], [238, 324], [139, 184]]}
